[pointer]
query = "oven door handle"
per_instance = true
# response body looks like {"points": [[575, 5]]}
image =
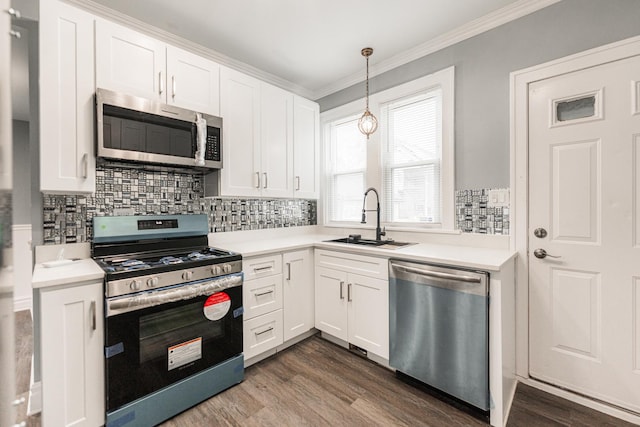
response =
{"points": [[148, 299]]}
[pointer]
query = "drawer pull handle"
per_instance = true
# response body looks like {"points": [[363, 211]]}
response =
{"points": [[265, 331], [268, 267], [342, 289], [349, 292], [92, 309], [264, 293]]}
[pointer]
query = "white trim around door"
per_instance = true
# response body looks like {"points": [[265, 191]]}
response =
{"points": [[519, 135]]}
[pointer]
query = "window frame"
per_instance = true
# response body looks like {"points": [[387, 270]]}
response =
{"points": [[374, 174]]}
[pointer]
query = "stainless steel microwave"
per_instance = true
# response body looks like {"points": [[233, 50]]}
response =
{"points": [[139, 130]]}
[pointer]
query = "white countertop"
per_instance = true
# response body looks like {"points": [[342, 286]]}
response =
{"points": [[78, 271], [464, 256]]}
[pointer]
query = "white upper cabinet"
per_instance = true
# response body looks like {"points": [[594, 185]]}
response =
{"points": [[130, 62], [276, 148], [135, 64], [240, 111], [270, 140], [67, 159], [306, 148], [193, 82]]}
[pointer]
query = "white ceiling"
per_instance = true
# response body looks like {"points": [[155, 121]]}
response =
{"points": [[315, 45]]}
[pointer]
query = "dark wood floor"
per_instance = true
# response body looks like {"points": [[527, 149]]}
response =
{"points": [[316, 383]]}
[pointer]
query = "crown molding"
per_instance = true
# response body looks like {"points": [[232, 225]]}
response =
{"points": [[175, 40], [473, 28]]}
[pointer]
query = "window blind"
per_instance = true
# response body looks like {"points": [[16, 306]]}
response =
{"points": [[348, 163], [411, 161]]}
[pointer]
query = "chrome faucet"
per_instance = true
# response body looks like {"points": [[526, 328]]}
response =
{"points": [[379, 232]]}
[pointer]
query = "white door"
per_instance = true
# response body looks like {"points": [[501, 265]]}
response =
{"points": [[584, 190]]}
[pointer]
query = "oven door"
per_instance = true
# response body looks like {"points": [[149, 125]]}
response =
{"points": [[155, 343]]}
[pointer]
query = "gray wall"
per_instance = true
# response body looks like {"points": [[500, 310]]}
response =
{"points": [[483, 64]]}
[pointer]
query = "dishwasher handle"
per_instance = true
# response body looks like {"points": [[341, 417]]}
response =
{"points": [[438, 274]]}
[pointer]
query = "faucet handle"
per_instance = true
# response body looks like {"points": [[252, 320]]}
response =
{"points": [[383, 232]]}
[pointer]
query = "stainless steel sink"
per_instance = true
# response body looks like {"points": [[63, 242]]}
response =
{"points": [[382, 244]]}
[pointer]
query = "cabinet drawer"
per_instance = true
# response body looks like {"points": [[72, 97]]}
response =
{"points": [[262, 266], [262, 333], [260, 296], [353, 263]]}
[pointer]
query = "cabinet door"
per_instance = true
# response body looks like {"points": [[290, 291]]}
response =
{"points": [[72, 341], [306, 148], [240, 108], [276, 147], [130, 62], [67, 159], [369, 313], [331, 302], [193, 82], [298, 293]]}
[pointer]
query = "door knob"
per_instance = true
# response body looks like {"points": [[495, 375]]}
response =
{"points": [[540, 233], [541, 253]]}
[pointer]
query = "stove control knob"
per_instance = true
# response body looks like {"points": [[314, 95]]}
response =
{"points": [[187, 275], [152, 282], [134, 285], [226, 268], [216, 270]]}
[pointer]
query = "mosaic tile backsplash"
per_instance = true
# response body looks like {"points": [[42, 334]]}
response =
{"points": [[482, 211], [124, 191]]}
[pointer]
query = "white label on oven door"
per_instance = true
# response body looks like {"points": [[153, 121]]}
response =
{"points": [[184, 353], [217, 306]]}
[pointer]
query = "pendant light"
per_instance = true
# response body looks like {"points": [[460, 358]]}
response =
{"points": [[367, 122]]}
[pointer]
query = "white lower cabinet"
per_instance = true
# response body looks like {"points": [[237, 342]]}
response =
{"points": [[298, 293], [352, 299], [262, 302], [262, 333], [278, 301], [72, 342]]}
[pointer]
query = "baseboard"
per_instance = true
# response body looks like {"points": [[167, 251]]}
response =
{"points": [[512, 396], [35, 399], [584, 401], [24, 303]]}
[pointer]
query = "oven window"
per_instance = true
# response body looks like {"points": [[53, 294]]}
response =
{"points": [[159, 331]]}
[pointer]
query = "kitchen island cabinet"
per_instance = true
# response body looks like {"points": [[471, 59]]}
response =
{"points": [[67, 106]]}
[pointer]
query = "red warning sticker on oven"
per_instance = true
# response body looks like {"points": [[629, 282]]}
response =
{"points": [[217, 306]]}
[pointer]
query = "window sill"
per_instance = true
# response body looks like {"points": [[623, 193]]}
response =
{"points": [[424, 230]]}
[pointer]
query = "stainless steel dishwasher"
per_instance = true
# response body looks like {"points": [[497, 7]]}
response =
{"points": [[439, 328]]}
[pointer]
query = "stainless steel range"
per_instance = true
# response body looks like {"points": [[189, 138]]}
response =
{"points": [[173, 309]]}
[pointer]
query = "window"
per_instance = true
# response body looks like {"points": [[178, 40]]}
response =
{"points": [[413, 135], [347, 170], [409, 160]]}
